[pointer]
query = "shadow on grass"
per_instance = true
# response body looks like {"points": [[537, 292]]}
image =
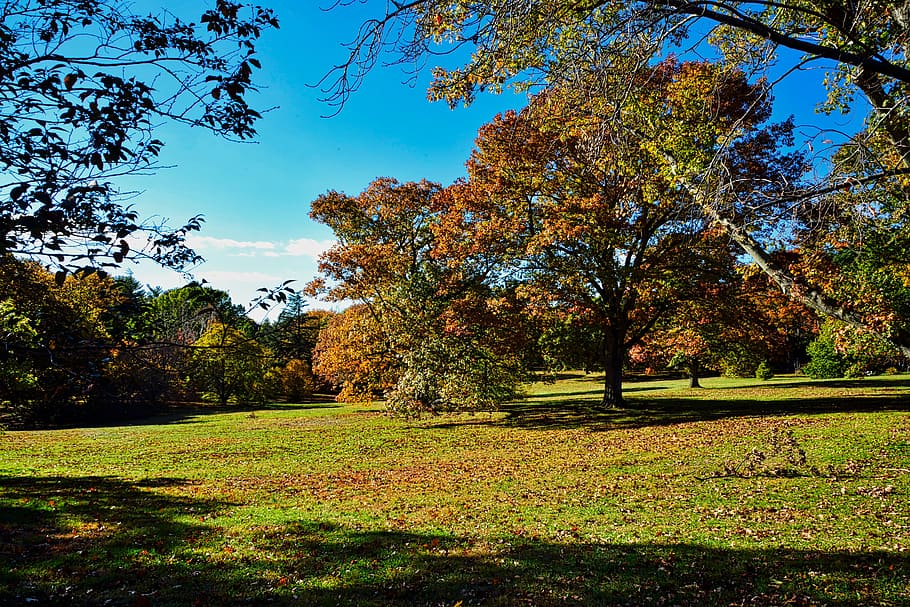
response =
{"points": [[101, 541], [597, 392], [195, 412], [573, 410], [184, 413], [878, 381], [640, 412]]}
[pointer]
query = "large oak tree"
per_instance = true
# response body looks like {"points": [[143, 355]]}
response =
{"points": [[594, 198], [861, 46]]}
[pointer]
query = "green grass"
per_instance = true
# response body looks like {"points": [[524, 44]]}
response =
{"points": [[550, 501]]}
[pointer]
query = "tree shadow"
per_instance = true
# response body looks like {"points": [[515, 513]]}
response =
{"points": [[644, 411], [103, 541], [877, 381], [596, 392], [187, 413], [86, 540]]}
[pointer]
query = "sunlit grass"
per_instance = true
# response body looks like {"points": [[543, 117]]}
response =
{"points": [[549, 501]]}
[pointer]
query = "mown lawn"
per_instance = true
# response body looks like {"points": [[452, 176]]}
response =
{"points": [[681, 498]]}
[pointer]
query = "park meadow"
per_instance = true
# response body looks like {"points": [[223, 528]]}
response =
{"points": [[746, 492]]}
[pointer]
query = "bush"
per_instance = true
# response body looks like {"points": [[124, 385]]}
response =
{"points": [[840, 351], [446, 375], [826, 362], [763, 371], [855, 370]]}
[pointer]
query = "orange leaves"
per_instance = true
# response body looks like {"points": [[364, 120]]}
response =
{"points": [[350, 354], [382, 233], [418, 257]]}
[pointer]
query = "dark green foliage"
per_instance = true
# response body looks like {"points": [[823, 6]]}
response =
{"points": [[569, 343], [227, 366], [293, 335], [840, 351], [764, 372], [825, 362]]}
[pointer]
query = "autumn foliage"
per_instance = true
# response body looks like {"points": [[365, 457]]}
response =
{"points": [[592, 201], [434, 331]]}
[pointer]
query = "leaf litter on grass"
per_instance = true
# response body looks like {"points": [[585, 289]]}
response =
{"points": [[620, 509]]}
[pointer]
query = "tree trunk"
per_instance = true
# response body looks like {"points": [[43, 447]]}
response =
{"points": [[809, 297], [693, 369], [786, 282], [614, 354]]}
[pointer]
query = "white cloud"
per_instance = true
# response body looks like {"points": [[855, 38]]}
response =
{"points": [[227, 277], [307, 247], [196, 241], [298, 247]]}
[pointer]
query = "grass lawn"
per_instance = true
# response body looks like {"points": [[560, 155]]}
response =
{"points": [[786, 492]]}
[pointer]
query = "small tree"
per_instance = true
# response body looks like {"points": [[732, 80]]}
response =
{"points": [[297, 380], [228, 366]]}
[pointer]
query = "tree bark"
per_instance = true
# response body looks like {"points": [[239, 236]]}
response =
{"points": [[614, 354], [693, 368]]}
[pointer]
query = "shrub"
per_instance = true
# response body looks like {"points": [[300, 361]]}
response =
{"points": [[763, 371], [855, 370], [840, 351], [825, 361]]}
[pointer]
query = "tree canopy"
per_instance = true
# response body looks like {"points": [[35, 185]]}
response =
{"points": [[434, 333], [594, 195], [862, 47]]}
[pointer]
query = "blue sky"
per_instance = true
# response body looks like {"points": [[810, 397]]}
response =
{"points": [[255, 197]]}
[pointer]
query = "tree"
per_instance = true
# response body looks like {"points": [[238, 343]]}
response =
{"points": [[128, 316], [733, 326], [710, 332], [229, 366], [443, 336], [297, 380], [294, 333], [606, 228], [840, 351], [351, 356], [180, 316], [54, 344], [83, 85], [169, 324], [863, 47]]}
